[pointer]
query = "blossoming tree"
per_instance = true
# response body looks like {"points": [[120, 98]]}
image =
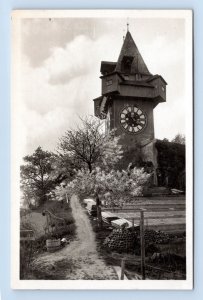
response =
{"points": [[87, 146], [115, 187], [96, 156]]}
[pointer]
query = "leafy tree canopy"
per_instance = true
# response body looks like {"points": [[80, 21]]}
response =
{"points": [[36, 175], [87, 146], [116, 187], [171, 164], [179, 139]]}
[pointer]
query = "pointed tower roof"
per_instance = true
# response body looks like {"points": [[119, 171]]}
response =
{"points": [[130, 51]]}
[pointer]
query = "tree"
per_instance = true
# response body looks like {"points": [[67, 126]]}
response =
{"points": [[116, 187], [96, 157], [165, 140], [36, 175], [171, 164], [28, 197], [87, 146], [179, 139]]}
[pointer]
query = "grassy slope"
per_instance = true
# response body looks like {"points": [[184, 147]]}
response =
{"points": [[35, 221]]}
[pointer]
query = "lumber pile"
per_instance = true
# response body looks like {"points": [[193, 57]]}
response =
{"points": [[121, 240]]}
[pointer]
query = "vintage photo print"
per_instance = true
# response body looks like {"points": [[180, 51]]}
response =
{"points": [[102, 149]]}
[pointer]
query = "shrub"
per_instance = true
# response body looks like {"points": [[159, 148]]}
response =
{"points": [[171, 162]]}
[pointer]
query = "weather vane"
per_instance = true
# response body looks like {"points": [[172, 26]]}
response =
{"points": [[127, 25]]}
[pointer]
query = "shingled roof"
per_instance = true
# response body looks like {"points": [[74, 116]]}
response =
{"points": [[107, 67], [129, 49]]}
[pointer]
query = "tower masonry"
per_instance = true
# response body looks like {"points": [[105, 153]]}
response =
{"points": [[128, 97]]}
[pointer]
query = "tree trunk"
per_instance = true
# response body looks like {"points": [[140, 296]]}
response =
{"points": [[99, 215], [90, 167]]}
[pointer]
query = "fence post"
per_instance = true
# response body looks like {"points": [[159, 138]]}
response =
{"points": [[122, 268], [99, 215], [142, 244]]}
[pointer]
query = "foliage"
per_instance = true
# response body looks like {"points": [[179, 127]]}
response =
{"points": [[37, 177], [28, 195], [59, 193], [179, 139], [28, 253], [165, 140], [87, 146], [64, 167], [115, 186], [132, 156], [171, 162]]}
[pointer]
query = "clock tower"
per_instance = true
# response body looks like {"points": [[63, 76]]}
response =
{"points": [[129, 95]]}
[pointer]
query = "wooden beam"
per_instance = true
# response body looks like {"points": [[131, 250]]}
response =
{"points": [[142, 244], [122, 268]]}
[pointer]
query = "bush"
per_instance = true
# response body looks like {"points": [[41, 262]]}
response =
{"points": [[55, 206], [25, 258], [25, 225], [171, 162]]}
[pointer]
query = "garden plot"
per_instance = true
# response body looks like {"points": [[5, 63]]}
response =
{"points": [[160, 214]]}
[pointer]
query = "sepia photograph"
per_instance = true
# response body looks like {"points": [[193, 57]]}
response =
{"points": [[102, 149]]}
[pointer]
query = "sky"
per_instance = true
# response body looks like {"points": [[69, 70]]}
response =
{"points": [[59, 68]]}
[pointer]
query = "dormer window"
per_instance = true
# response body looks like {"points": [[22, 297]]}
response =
{"points": [[138, 76], [126, 64]]}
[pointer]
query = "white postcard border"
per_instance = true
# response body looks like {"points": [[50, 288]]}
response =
{"points": [[16, 135]]}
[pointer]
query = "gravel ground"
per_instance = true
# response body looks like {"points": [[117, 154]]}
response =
{"points": [[79, 259]]}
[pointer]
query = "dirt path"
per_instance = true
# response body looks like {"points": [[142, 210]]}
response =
{"points": [[80, 259]]}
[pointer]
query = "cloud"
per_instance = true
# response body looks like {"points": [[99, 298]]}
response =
{"points": [[57, 83], [68, 63], [61, 89], [40, 35]]}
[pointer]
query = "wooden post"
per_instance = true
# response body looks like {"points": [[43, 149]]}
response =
{"points": [[122, 268], [67, 198], [99, 215], [30, 254], [142, 244]]}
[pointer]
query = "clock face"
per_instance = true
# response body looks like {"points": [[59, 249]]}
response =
{"points": [[133, 119]]}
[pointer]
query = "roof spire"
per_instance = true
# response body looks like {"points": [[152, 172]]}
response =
{"points": [[123, 35], [129, 50], [127, 24]]}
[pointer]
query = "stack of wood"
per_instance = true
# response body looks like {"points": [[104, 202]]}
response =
{"points": [[121, 240], [156, 237]]}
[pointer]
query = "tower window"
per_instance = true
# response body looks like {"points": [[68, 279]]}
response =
{"points": [[138, 76], [126, 64], [109, 82]]}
